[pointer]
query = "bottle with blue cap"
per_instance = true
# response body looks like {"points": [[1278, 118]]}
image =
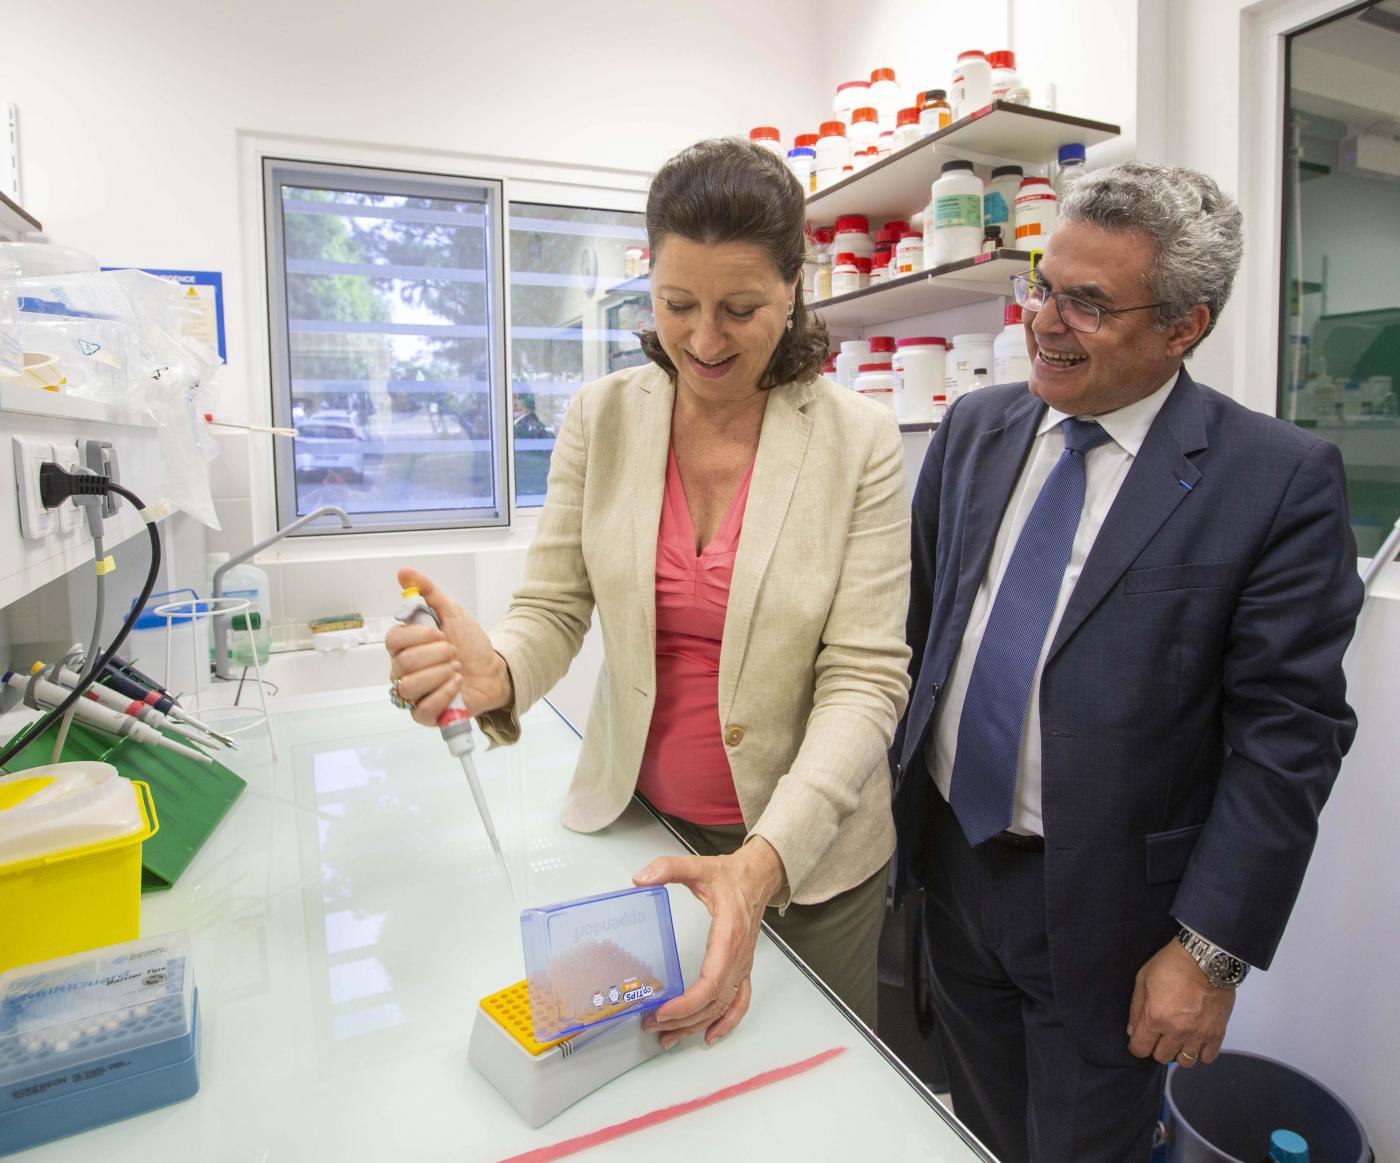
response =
{"points": [[1069, 168], [1287, 1147]]}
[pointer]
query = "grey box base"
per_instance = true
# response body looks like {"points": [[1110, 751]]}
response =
{"points": [[542, 1086], [106, 1103]]}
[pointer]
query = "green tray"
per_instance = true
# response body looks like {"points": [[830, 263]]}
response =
{"points": [[190, 797]]}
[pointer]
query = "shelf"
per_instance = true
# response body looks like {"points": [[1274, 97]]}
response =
{"points": [[898, 185], [918, 425], [973, 280], [14, 219]]}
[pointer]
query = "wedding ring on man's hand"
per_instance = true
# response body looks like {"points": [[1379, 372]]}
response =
{"points": [[1188, 1055], [397, 699]]}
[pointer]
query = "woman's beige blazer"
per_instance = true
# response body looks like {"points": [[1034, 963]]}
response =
{"points": [[813, 672]]}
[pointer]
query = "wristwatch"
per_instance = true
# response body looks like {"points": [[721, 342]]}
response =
{"points": [[1223, 970]]}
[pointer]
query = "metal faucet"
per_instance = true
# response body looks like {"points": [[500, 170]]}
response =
{"points": [[221, 624]]}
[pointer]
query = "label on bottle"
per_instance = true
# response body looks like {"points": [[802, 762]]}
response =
{"points": [[951, 210], [994, 209]]}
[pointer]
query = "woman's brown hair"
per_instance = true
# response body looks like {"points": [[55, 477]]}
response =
{"points": [[730, 190]]}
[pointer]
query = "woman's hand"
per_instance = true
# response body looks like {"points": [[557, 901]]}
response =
{"points": [[431, 665], [735, 889]]}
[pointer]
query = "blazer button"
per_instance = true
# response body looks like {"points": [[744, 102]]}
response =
{"points": [[734, 736]]}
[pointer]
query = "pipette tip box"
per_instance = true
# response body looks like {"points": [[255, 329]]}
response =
{"points": [[95, 1037], [597, 959]]}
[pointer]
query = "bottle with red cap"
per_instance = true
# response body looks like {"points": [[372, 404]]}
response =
{"points": [[886, 96], [972, 83], [863, 268], [845, 275], [876, 382], [849, 95], [1004, 75], [880, 266], [864, 129], [863, 159], [882, 346], [770, 139], [1034, 213], [833, 153], [853, 235], [1011, 363], [907, 131]]}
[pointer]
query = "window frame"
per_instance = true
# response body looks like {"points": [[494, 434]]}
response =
{"points": [[527, 180], [280, 171]]}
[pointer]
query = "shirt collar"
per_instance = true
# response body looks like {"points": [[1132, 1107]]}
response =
{"points": [[1127, 426]]}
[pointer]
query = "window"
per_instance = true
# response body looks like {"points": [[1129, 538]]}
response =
{"points": [[1340, 325], [388, 349], [572, 317]]}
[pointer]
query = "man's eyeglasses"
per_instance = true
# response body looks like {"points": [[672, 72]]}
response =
{"points": [[1075, 313]]}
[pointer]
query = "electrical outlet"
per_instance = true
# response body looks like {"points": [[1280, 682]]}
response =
{"points": [[35, 521], [70, 517]]}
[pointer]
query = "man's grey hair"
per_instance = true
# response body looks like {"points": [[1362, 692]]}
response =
{"points": [[1198, 231]]}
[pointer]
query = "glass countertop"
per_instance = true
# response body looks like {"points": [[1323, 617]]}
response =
{"points": [[347, 915]]}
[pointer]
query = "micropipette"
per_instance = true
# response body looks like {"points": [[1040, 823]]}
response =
{"points": [[89, 711], [123, 680], [455, 724], [115, 701]]}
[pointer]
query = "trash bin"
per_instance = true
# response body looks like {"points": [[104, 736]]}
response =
{"points": [[1225, 1113]]}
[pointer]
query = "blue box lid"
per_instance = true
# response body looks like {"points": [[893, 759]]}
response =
{"points": [[594, 960]]}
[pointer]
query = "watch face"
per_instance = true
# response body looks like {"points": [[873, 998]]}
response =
{"points": [[1225, 970]]}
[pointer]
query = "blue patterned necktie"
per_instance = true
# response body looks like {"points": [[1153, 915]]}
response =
{"points": [[983, 791]]}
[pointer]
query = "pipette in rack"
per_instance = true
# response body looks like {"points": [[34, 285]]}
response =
{"points": [[140, 708], [455, 724], [125, 679], [41, 693]]}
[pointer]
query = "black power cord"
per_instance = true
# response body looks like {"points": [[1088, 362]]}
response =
{"points": [[56, 485]]}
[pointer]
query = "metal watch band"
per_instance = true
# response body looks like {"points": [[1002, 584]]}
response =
{"points": [[1222, 969]]}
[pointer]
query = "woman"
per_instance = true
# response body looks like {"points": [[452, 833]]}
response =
{"points": [[742, 527]]}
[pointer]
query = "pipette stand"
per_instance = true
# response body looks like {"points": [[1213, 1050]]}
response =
{"points": [[540, 1080]]}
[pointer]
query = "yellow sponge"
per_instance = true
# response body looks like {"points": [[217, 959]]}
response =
{"points": [[336, 622]]}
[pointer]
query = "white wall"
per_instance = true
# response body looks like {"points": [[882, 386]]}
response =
{"points": [[133, 154]]}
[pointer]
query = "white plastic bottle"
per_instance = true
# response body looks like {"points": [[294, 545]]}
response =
{"points": [[801, 162], [1004, 77], [250, 583], [853, 236], [909, 254], [833, 153], [972, 83], [769, 138], [1034, 213], [971, 351], [919, 368], [999, 201], [1070, 169], [876, 382], [1010, 362], [906, 129], [886, 96], [956, 232], [864, 130], [854, 352], [849, 96], [845, 275]]}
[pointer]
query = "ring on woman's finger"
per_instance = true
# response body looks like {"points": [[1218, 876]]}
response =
{"points": [[397, 699]]}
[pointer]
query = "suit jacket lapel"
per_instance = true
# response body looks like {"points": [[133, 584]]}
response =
{"points": [[1160, 478], [653, 441], [782, 446], [996, 466]]}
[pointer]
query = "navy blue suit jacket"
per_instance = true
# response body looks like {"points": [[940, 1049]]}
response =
{"points": [[1193, 710]]}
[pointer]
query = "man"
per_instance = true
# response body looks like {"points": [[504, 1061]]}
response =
{"points": [[1130, 601]]}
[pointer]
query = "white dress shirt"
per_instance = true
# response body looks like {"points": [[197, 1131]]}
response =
{"points": [[1105, 468]]}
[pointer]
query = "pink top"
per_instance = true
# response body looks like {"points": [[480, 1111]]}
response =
{"points": [[685, 771]]}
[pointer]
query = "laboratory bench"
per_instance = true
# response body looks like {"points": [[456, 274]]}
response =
{"points": [[348, 914]]}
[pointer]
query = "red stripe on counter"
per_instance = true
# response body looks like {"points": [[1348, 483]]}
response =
{"points": [[665, 1114]]}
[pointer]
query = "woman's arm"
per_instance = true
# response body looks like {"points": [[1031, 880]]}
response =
{"points": [[862, 672], [550, 613]]}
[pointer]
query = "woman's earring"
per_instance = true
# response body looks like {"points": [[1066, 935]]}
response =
{"points": [[792, 304]]}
